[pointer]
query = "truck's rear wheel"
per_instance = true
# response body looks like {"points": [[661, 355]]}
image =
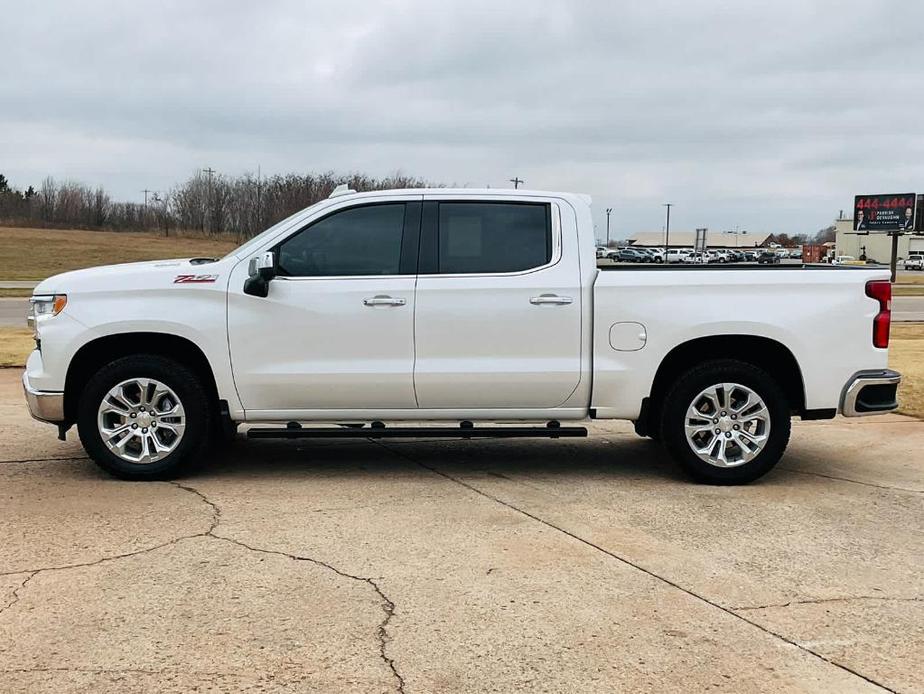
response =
{"points": [[726, 422], [145, 417]]}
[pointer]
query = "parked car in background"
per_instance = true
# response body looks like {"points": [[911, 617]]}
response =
{"points": [[601, 251], [914, 262], [675, 255], [751, 256], [769, 258], [843, 260], [695, 258], [154, 361], [796, 254], [630, 255]]}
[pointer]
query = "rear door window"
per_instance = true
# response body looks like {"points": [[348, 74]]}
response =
{"points": [[490, 237]]}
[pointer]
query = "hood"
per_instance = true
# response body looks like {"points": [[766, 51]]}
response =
{"points": [[152, 274]]}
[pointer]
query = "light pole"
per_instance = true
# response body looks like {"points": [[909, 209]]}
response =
{"points": [[736, 233], [667, 233], [608, 211]]}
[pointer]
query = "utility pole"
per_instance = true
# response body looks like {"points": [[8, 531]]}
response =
{"points": [[208, 200], [146, 191], [667, 232], [893, 263], [516, 181], [163, 202], [608, 211], [259, 225]]}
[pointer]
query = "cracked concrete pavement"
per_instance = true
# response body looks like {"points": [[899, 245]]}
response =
{"points": [[429, 566]]}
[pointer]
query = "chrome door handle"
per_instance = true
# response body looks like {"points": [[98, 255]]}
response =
{"points": [[383, 300], [550, 299]]}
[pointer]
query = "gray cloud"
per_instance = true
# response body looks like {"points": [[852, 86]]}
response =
{"points": [[765, 115]]}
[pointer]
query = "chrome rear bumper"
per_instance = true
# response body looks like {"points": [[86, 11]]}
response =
{"points": [[44, 406], [871, 392]]}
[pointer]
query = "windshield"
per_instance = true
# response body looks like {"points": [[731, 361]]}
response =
{"points": [[257, 240]]}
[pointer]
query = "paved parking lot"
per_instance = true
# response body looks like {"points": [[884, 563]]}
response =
{"points": [[572, 565]]}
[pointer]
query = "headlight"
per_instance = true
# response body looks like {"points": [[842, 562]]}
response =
{"points": [[45, 307]]}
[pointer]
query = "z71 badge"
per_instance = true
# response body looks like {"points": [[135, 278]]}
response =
{"points": [[195, 279]]}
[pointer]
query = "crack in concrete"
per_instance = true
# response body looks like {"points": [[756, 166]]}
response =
{"points": [[638, 567], [388, 605], [135, 553], [847, 479], [14, 598], [103, 560], [821, 601]]}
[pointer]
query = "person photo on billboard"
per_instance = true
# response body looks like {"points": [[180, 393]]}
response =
{"points": [[861, 221], [908, 224]]}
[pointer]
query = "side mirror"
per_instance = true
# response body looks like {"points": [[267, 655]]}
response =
{"points": [[260, 271]]}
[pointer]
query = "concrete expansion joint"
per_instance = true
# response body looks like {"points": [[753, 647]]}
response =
{"points": [[822, 601], [851, 481], [117, 671], [56, 459], [629, 562]]}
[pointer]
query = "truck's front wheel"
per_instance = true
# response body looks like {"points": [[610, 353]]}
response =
{"points": [[726, 422], [145, 417]]}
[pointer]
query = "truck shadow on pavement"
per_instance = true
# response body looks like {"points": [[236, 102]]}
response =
{"points": [[614, 459]]}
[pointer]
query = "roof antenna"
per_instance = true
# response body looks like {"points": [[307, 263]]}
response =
{"points": [[342, 189]]}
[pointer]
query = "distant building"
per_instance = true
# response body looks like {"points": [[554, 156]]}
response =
{"points": [[687, 239], [876, 246]]}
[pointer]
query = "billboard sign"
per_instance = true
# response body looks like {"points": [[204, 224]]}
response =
{"points": [[884, 213], [700, 243]]}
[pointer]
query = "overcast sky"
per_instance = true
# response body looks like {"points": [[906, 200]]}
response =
{"points": [[765, 115]]}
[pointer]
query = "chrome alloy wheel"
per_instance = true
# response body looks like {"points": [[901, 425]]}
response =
{"points": [[727, 425], [141, 420]]}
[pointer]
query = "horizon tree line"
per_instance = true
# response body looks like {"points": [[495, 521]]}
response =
{"points": [[212, 204]]}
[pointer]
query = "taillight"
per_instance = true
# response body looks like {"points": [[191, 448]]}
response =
{"points": [[881, 291]]}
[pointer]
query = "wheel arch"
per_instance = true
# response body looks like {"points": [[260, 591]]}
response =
{"points": [[103, 350], [763, 352]]}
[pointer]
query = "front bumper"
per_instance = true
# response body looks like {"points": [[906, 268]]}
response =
{"points": [[871, 392], [43, 405]]}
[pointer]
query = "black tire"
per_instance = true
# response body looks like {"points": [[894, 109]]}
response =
{"points": [[199, 410], [693, 382]]}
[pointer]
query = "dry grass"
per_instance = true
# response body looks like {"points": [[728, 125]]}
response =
{"points": [[34, 254], [906, 355], [15, 346], [908, 290], [15, 293], [910, 277]]}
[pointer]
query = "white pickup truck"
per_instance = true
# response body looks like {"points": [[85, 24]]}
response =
{"points": [[479, 312]]}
